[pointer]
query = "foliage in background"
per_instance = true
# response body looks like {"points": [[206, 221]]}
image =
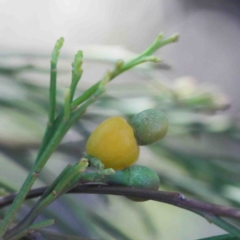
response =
{"points": [[199, 157]]}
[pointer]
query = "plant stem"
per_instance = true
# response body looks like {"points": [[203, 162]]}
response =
{"points": [[61, 185], [209, 211], [39, 164], [53, 81], [158, 43], [173, 198], [18, 201], [33, 227], [85, 95], [122, 67], [57, 128], [37, 167], [76, 73], [67, 104]]}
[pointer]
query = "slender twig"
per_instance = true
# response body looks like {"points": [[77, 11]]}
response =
{"points": [[41, 161], [173, 198], [76, 73], [33, 227], [67, 179], [53, 80], [67, 106]]}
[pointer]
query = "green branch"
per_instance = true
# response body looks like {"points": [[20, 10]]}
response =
{"points": [[63, 183], [36, 226], [53, 80], [59, 126]]}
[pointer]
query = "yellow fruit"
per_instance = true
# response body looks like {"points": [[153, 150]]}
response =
{"points": [[113, 143]]}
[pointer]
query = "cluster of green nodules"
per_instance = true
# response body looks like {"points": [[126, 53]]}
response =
{"points": [[135, 176]]}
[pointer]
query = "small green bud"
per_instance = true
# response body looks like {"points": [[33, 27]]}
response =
{"points": [[149, 126]]}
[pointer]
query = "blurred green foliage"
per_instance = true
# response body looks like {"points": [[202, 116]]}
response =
{"points": [[199, 157]]}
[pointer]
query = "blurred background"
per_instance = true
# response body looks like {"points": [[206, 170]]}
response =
{"points": [[196, 85]]}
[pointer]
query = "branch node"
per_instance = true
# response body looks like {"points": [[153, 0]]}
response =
{"points": [[54, 193], [181, 196], [36, 174]]}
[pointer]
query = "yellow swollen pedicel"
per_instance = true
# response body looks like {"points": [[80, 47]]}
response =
{"points": [[113, 143]]}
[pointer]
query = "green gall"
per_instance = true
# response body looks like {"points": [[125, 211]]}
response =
{"points": [[149, 126], [135, 176]]}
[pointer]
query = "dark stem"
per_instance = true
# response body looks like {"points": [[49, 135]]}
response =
{"points": [[172, 198]]}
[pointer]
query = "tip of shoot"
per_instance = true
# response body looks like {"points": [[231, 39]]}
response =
{"points": [[56, 50], [119, 64], [107, 77], [176, 37], [82, 164], [108, 171], [160, 36], [60, 41], [154, 59], [77, 64]]}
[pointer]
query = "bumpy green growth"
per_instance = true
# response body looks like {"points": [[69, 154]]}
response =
{"points": [[149, 126], [135, 176]]}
